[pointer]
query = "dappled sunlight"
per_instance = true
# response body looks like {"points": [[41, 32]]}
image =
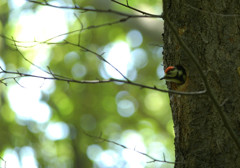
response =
{"points": [[117, 156], [126, 104], [108, 158], [11, 158], [26, 103], [134, 38], [57, 130], [41, 25], [126, 108], [160, 71], [78, 71], [133, 141], [139, 58], [119, 56], [48, 120], [16, 3], [27, 159], [2, 65], [125, 60]]}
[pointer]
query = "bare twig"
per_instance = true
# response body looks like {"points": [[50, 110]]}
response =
{"points": [[30, 62], [92, 10], [135, 9], [127, 2], [70, 80], [71, 32], [5, 163], [125, 147], [90, 27], [27, 60], [99, 57], [77, 45]]}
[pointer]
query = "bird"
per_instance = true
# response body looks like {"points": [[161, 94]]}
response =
{"points": [[175, 74]]}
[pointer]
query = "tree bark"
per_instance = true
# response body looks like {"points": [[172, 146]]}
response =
{"points": [[211, 30]]}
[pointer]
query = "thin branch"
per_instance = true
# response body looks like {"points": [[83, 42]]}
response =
{"points": [[90, 27], [27, 60], [72, 32], [15, 79], [125, 147], [135, 9], [92, 10], [66, 79], [30, 62], [127, 2], [70, 80], [75, 3], [210, 93], [99, 57], [5, 162]]}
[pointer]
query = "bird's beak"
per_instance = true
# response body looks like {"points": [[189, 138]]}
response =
{"points": [[162, 78]]}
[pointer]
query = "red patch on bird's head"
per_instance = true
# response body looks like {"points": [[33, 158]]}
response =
{"points": [[169, 69]]}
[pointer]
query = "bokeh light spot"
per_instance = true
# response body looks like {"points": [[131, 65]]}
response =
{"points": [[134, 37], [119, 56], [139, 58], [57, 131], [78, 70], [27, 105], [126, 108], [93, 151], [28, 159]]}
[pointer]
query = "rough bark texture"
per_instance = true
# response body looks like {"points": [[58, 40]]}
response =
{"points": [[211, 29]]}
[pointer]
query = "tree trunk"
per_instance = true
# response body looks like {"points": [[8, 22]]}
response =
{"points": [[211, 30]]}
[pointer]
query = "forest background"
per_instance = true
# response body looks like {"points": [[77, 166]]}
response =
{"points": [[79, 85]]}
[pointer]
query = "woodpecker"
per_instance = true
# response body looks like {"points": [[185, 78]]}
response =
{"points": [[176, 74]]}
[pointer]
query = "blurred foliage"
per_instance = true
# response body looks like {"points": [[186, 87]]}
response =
{"points": [[91, 108]]}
